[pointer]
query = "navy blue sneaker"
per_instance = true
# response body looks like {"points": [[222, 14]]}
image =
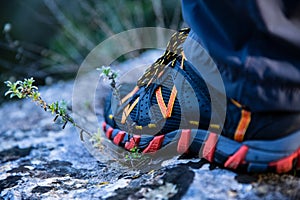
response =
{"points": [[171, 106]]}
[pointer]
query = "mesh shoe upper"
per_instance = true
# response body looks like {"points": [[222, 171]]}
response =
{"points": [[177, 99]]}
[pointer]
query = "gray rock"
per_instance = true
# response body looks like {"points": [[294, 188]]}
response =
{"points": [[39, 160]]}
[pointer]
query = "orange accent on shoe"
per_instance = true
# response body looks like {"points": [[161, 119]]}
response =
{"points": [[155, 144], [119, 137], [242, 126], [133, 142], [128, 109], [285, 164], [184, 141], [237, 158], [130, 94], [104, 126], [160, 73], [210, 147], [109, 132], [237, 104], [166, 111]]}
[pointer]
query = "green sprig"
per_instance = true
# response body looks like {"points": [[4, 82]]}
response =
{"points": [[27, 89], [112, 75]]}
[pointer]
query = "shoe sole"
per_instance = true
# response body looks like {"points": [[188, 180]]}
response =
{"points": [[280, 155]]}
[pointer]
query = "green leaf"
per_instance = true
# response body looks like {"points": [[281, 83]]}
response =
{"points": [[62, 108], [52, 108], [8, 92], [114, 75], [7, 83], [35, 87], [19, 95], [36, 95], [18, 83]]}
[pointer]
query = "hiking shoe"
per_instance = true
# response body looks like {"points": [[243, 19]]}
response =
{"points": [[171, 105]]}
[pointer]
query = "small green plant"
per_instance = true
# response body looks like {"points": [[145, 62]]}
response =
{"points": [[26, 89], [22, 89], [97, 139], [112, 75], [134, 154]]}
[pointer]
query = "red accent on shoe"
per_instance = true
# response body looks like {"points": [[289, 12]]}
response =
{"points": [[210, 147], [237, 158], [285, 164], [109, 132], [298, 163], [133, 142], [155, 144], [184, 141], [104, 126], [119, 137]]}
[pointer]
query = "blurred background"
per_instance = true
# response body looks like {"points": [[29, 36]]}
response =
{"points": [[48, 39]]}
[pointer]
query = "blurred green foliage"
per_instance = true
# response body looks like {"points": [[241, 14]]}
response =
{"points": [[48, 39]]}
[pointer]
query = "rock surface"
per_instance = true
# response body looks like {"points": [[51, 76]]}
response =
{"points": [[39, 160]]}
